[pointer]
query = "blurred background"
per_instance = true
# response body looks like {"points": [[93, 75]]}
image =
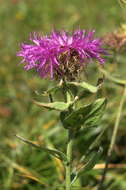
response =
{"points": [[23, 167]]}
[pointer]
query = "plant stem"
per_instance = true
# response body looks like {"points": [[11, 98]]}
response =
{"points": [[69, 158], [113, 139], [67, 98]]}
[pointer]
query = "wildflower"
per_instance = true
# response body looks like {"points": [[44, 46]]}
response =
{"points": [[61, 54]]}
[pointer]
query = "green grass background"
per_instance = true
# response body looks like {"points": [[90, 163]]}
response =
{"points": [[23, 167]]}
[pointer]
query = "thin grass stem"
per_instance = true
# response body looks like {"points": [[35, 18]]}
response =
{"points": [[113, 139]]}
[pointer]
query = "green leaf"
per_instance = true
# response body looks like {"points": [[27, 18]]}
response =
{"points": [[50, 90], [94, 144], [112, 78], [89, 115], [54, 89], [60, 106], [97, 110], [54, 152], [95, 157], [92, 161], [84, 85]]}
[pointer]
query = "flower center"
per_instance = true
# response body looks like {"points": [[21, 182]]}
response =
{"points": [[70, 65]]}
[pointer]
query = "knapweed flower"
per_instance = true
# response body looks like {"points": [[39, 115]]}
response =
{"points": [[61, 55]]}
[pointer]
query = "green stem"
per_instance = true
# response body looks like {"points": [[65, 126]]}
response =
{"points": [[67, 97], [69, 159]]}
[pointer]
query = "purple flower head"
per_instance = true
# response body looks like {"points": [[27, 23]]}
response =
{"points": [[57, 53]]}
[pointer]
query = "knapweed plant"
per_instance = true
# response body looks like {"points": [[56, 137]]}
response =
{"points": [[63, 57]]}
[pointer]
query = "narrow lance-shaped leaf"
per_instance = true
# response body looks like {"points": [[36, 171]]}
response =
{"points": [[54, 89], [51, 90], [89, 165], [54, 152], [92, 161], [84, 85], [112, 78], [59, 106], [93, 145]]}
